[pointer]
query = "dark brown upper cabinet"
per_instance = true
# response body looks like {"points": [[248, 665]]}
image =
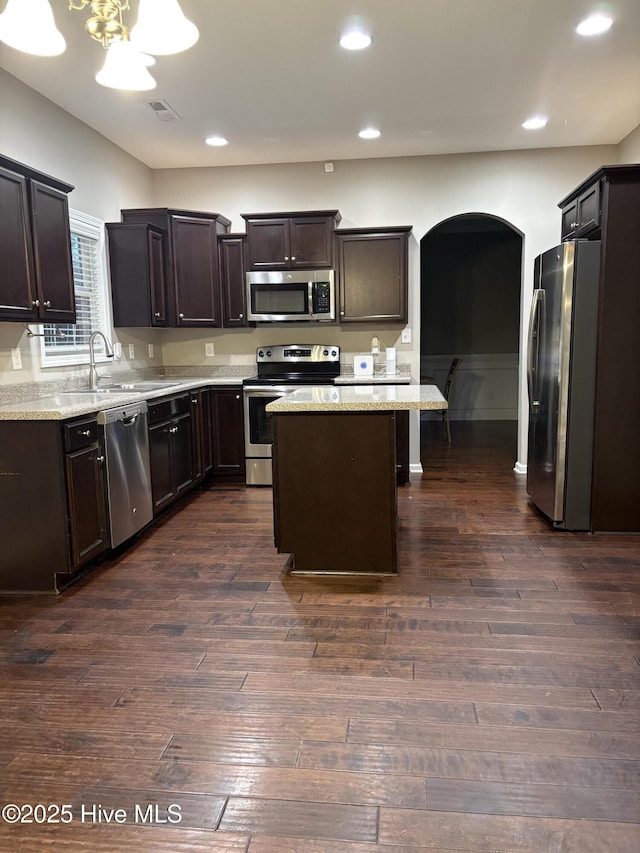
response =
{"points": [[193, 275], [582, 213], [35, 247], [231, 250], [138, 274], [372, 274], [282, 241]]}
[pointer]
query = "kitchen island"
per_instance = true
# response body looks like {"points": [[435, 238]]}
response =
{"points": [[334, 475]]}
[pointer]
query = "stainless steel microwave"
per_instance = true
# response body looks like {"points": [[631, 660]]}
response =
{"points": [[291, 296]]}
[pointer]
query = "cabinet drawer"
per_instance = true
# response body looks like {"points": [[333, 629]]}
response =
{"points": [[169, 407], [79, 434]]}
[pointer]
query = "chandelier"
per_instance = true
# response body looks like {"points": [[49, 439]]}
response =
{"points": [[161, 28]]}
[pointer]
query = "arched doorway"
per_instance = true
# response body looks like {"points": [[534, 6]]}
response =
{"points": [[470, 288]]}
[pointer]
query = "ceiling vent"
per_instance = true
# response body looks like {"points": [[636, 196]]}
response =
{"points": [[163, 110]]}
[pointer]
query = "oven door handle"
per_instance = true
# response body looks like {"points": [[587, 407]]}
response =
{"points": [[268, 390]]}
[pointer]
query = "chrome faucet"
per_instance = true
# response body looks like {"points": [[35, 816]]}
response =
{"points": [[93, 373]]}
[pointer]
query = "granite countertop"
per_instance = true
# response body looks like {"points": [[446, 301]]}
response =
{"points": [[366, 398], [376, 379], [71, 404]]}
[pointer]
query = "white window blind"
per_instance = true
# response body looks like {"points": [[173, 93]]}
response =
{"points": [[69, 343]]}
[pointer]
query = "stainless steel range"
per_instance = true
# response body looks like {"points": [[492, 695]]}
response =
{"points": [[281, 369]]}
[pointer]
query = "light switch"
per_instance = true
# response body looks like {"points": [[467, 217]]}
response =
{"points": [[150, 350], [209, 350], [405, 338], [132, 351]]}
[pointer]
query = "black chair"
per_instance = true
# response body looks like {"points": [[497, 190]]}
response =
{"points": [[446, 393]]}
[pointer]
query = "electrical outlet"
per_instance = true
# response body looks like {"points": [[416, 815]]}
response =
{"points": [[132, 351], [406, 335], [150, 350], [375, 346], [209, 350], [16, 358]]}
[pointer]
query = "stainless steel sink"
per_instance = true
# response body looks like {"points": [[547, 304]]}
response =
{"points": [[124, 388]]}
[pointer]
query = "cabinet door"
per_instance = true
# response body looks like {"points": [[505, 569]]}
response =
{"points": [[201, 432], [86, 503], [227, 427], [161, 465], [17, 283], [589, 210], [232, 281], [269, 246], [182, 453], [311, 242], [158, 282], [197, 295], [52, 253], [372, 274], [569, 220]]}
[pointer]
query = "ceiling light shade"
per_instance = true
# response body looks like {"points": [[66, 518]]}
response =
{"points": [[28, 25], [355, 40], [216, 141], [594, 25], [162, 28], [535, 123], [126, 68], [369, 133]]}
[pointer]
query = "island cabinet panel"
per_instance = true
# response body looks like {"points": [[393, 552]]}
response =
{"points": [[35, 247], [335, 491], [138, 274], [372, 274], [281, 241], [231, 249], [201, 433]]}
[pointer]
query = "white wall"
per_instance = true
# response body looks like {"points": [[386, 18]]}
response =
{"points": [[35, 131], [629, 148]]}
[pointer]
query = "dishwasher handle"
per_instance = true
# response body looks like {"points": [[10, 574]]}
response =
{"points": [[127, 414]]}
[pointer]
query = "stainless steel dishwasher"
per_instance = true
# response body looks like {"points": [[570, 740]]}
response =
{"points": [[126, 444]]}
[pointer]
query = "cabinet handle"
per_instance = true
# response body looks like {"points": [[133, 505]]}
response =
{"points": [[36, 303], [157, 315], [181, 316], [574, 224], [237, 396], [240, 316], [342, 313], [293, 257], [173, 429], [195, 401], [86, 432], [99, 459], [286, 257], [47, 304]]}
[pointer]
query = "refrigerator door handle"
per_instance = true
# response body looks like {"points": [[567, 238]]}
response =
{"points": [[538, 300]]}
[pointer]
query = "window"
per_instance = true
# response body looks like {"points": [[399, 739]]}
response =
{"points": [[68, 343]]}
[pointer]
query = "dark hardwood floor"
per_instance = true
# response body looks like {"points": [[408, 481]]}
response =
{"points": [[486, 699]]}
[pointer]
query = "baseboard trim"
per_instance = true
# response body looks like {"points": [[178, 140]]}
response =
{"points": [[520, 468]]}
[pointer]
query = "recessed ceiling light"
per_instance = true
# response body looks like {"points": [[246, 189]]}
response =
{"points": [[217, 141], [594, 25], [369, 133], [355, 40], [535, 123]]}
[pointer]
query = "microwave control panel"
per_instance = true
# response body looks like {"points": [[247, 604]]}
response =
{"points": [[321, 297]]}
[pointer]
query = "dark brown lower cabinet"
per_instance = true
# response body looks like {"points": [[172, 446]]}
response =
{"points": [[86, 504], [52, 495], [201, 428], [402, 448], [227, 427], [170, 449]]}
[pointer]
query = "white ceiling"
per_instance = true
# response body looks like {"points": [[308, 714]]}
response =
{"points": [[442, 76]]}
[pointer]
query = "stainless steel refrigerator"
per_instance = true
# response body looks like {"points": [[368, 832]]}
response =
{"points": [[561, 374]]}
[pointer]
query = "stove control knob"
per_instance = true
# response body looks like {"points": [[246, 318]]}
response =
{"points": [[268, 353], [260, 353]]}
